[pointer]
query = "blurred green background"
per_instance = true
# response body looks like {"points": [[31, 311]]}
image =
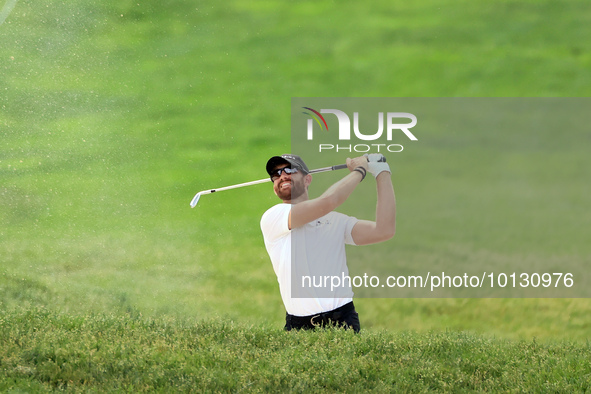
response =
{"points": [[114, 114]]}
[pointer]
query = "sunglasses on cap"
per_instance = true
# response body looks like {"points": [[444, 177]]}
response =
{"points": [[276, 174]]}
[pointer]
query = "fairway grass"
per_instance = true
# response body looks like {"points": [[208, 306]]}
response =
{"points": [[114, 115]]}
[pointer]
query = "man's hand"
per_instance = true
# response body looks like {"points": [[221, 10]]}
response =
{"points": [[360, 161], [377, 163]]}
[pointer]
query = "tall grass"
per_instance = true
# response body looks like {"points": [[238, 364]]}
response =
{"points": [[44, 351]]}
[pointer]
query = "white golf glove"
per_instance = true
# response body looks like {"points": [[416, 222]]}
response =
{"points": [[377, 163]]}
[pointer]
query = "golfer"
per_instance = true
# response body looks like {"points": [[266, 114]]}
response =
{"points": [[305, 237]]}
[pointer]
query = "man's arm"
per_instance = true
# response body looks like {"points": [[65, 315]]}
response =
{"points": [[367, 232], [307, 211]]}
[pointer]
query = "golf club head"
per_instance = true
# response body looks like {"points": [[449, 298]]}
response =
{"points": [[195, 200]]}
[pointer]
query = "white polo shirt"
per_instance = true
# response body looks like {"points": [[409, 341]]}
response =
{"points": [[318, 252]]}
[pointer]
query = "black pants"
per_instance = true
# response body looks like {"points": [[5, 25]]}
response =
{"points": [[344, 316]]}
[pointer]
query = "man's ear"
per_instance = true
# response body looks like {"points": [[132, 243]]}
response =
{"points": [[307, 180]]}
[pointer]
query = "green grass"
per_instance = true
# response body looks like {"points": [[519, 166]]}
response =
{"points": [[113, 115], [44, 351]]}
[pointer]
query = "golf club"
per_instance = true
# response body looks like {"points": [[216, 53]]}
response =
{"points": [[195, 199]]}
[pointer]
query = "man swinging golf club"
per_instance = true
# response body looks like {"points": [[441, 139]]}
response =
{"points": [[305, 238]]}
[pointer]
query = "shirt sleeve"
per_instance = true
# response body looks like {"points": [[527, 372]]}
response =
{"points": [[349, 224], [274, 223]]}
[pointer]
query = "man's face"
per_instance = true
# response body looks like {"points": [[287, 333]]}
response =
{"points": [[289, 186]]}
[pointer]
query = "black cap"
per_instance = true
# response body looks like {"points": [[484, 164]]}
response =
{"points": [[293, 160]]}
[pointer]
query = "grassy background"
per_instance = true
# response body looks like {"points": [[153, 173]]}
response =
{"points": [[113, 114]]}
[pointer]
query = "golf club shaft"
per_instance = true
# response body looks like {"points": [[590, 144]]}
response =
{"points": [[209, 191], [324, 169]]}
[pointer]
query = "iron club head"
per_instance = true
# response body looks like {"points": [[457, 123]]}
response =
{"points": [[195, 200]]}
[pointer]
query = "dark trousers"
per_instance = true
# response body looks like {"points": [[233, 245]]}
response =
{"points": [[344, 316]]}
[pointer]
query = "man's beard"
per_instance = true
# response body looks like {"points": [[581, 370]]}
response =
{"points": [[296, 190]]}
